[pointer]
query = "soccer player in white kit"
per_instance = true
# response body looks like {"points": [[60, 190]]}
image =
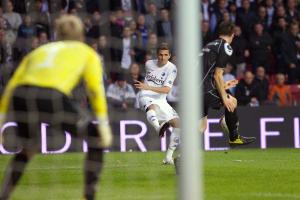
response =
{"points": [[160, 76]]}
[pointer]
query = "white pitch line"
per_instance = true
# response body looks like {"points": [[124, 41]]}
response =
{"points": [[273, 195]]}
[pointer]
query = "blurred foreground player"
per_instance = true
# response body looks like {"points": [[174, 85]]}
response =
{"points": [[215, 58], [160, 76], [40, 91]]}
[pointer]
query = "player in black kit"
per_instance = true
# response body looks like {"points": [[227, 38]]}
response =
{"points": [[216, 55]]}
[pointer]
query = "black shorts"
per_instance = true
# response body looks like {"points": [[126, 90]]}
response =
{"points": [[211, 100], [30, 106]]}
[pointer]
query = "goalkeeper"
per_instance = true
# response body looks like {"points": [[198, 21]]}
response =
{"points": [[40, 91]]}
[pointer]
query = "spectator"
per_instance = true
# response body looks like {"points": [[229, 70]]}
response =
{"points": [[260, 47], [103, 49], [116, 26], [206, 10], [262, 17], [290, 51], [43, 38], [292, 12], [151, 46], [134, 75], [121, 94], [14, 19], [263, 84], [98, 26], [27, 29], [20, 6], [142, 31], [280, 31], [165, 27], [217, 14], [245, 18], [270, 11], [95, 5], [280, 93], [151, 17], [40, 18], [206, 33], [247, 91], [133, 28], [5, 52], [280, 12], [232, 9], [139, 6], [123, 50], [240, 52]]}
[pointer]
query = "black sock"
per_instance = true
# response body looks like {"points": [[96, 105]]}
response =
{"points": [[13, 174], [232, 122], [92, 170]]}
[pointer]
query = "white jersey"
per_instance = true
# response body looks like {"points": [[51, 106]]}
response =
{"points": [[158, 77]]}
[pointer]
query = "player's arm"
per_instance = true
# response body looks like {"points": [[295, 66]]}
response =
{"points": [[144, 86], [93, 74], [227, 99], [168, 83], [5, 99], [218, 76], [231, 83]]}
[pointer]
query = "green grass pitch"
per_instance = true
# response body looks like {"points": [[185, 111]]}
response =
{"points": [[270, 174]]}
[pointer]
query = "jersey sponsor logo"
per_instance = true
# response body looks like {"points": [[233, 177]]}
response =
{"points": [[154, 79], [228, 49]]}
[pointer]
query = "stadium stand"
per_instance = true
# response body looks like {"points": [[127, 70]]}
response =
{"points": [[267, 32]]}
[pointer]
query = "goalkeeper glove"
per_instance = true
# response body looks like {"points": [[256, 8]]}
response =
{"points": [[2, 118], [106, 136]]}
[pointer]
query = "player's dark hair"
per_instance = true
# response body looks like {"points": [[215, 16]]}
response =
{"points": [[163, 46], [226, 28]]}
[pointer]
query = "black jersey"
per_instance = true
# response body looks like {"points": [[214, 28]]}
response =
{"points": [[214, 54]]}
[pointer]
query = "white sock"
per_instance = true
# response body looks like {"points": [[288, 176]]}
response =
{"points": [[174, 142], [152, 119]]}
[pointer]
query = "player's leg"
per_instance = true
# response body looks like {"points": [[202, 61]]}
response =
{"points": [[232, 122], [93, 163], [26, 133], [174, 140], [14, 172], [169, 116], [152, 116], [150, 108], [77, 120]]}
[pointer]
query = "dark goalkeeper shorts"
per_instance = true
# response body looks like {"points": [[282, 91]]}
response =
{"points": [[211, 100], [30, 106]]}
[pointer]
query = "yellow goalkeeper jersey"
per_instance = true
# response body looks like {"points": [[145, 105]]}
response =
{"points": [[61, 65]]}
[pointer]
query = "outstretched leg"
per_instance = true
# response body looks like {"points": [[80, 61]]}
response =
{"points": [[152, 118], [14, 172]]}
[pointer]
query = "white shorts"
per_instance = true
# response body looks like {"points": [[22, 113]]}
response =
{"points": [[164, 111]]}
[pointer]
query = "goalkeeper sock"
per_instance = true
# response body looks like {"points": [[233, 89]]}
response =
{"points": [[92, 170], [174, 142], [152, 119], [13, 174], [232, 122]]}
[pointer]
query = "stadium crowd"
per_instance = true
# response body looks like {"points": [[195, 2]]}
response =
{"points": [[126, 33]]}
